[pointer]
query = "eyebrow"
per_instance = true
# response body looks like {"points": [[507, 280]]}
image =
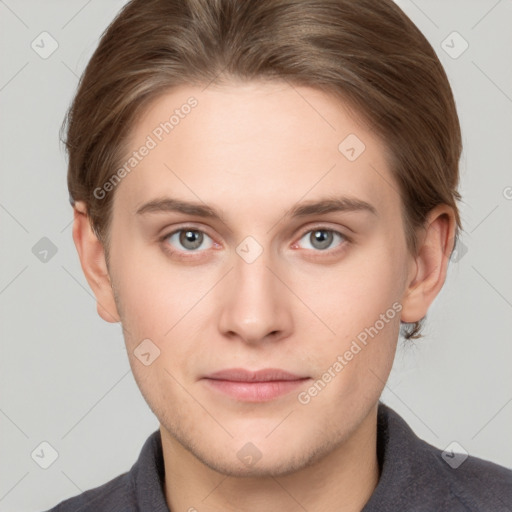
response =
{"points": [[316, 207]]}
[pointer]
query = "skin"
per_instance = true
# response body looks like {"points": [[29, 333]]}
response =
{"points": [[253, 151]]}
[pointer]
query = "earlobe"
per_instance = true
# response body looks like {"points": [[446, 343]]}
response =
{"points": [[92, 259], [431, 264]]}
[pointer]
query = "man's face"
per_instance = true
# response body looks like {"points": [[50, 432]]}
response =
{"points": [[316, 295]]}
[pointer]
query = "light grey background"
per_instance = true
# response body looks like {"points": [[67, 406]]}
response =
{"points": [[64, 373]]}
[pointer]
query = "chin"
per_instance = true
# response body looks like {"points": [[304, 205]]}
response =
{"points": [[279, 467]]}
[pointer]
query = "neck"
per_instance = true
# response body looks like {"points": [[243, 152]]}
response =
{"points": [[342, 481]]}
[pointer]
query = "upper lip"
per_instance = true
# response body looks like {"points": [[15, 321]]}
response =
{"points": [[264, 375]]}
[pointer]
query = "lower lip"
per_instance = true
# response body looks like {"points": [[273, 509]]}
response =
{"points": [[255, 391]]}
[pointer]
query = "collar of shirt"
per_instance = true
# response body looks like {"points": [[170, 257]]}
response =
{"points": [[414, 477]]}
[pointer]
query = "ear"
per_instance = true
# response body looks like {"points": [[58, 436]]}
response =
{"points": [[92, 258], [428, 274]]}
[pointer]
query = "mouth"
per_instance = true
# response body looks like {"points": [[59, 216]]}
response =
{"points": [[254, 386]]}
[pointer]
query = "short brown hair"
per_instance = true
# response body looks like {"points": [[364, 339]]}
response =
{"points": [[365, 52]]}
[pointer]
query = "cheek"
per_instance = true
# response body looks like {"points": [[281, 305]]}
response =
{"points": [[157, 309], [167, 306], [360, 302], [147, 309], [149, 291], [353, 295], [352, 365]]}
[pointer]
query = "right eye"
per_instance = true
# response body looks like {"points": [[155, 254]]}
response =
{"points": [[187, 239]]}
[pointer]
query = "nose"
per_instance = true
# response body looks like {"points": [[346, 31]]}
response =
{"points": [[255, 304]]}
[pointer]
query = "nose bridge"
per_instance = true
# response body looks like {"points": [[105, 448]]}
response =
{"points": [[255, 305]]}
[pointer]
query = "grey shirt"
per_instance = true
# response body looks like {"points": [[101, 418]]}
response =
{"points": [[415, 477]]}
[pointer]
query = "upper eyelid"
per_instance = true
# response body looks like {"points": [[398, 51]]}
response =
{"points": [[323, 227], [319, 227], [185, 228]]}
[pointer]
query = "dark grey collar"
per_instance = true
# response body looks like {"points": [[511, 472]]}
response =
{"points": [[414, 477]]}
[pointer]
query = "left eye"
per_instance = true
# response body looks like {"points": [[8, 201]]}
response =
{"points": [[321, 239], [189, 239]]}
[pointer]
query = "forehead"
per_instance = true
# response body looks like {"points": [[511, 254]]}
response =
{"points": [[253, 144]]}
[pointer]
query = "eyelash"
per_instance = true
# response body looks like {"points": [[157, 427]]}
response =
{"points": [[345, 240]]}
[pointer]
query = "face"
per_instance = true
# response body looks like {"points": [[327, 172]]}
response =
{"points": [[260, 230]]}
